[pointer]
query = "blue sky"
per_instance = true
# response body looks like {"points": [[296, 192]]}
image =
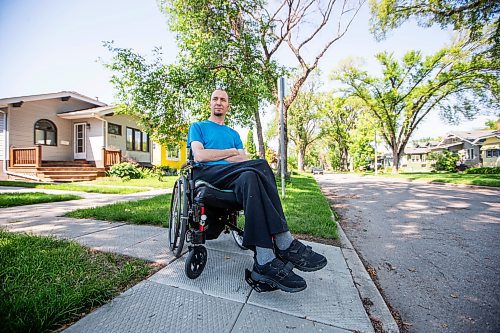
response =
{"points": [[54, 45]]}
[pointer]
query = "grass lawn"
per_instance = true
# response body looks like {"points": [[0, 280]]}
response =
{"points": [[21, 199], [47, 283], [153, 211], [108, 185], [455, 178], [307, 210], [166, 182]]}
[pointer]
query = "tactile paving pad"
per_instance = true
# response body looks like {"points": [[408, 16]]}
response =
{"points": [[259, 320], [330, 296], [223, 276], [150, 307]]}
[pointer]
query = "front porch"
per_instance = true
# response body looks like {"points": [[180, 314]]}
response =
{"points": [[27, 162]]}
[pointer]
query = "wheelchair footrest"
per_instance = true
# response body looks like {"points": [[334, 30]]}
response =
{"points": [[256, 285]]}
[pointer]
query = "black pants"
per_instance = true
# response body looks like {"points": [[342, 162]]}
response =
{"points": [[254, 185]]}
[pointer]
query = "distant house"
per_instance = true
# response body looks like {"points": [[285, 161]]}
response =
{"points": [[468, 145], [66, 136], [173, 157], [490, 150], [416, 158]]}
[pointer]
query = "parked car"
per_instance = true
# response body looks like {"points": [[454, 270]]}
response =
{"points": [[317, 171]]}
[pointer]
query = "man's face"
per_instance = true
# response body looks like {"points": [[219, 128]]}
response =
{"points": [[219, 103]]}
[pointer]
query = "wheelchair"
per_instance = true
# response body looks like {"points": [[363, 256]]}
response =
{"points": [[199, 212]]}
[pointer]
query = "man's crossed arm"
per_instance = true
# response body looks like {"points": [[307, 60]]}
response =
{"points": [[232, 155]]}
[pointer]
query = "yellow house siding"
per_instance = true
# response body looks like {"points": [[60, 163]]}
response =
{"points": [[490, 143], [174, 163]]}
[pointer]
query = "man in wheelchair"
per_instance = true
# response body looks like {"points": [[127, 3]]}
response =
{"points": [[221, 161]]}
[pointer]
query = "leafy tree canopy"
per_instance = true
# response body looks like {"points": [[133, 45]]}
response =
{"points": [[460, 14]]}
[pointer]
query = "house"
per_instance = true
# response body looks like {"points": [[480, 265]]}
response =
{"points": [[416, 157], [468, 145], [173, 157], [66, 136], [490, 150]]}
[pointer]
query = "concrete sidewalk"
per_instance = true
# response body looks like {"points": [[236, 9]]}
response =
{"points": [[219, 300]]}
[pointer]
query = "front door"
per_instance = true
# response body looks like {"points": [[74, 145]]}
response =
{"points": [[80, 135]]}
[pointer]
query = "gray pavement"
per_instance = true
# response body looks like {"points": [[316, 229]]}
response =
{"points": [[219, 300], [434, 248]]}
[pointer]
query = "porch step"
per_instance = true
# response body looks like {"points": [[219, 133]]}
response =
{"points": [[50, 164]]}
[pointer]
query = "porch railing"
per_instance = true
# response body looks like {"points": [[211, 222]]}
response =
{"points": [[111, 156], [26, 156]]}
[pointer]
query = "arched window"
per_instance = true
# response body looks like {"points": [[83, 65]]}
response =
{"points": [[45, 133]]}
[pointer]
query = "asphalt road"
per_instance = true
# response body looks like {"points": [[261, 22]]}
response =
{"points": [[435, 248]]}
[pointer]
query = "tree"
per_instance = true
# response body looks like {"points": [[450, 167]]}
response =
{"points": [[454, 80], [493, 124], [304, 119], [298, 24], [445, 160], [251, 150], [470, 15], [233, 45]]}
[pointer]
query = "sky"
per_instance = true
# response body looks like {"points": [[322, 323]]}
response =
{"points": [[56, 45]]}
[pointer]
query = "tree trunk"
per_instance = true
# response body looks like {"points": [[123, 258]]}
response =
{"points": [[395, 157], [300, 159], [345, 159], [260, 137]]}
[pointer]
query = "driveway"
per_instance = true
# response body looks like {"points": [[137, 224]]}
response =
{"points": [[435, 249]]}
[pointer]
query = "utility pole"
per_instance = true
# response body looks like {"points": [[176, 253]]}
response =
{"points": [[281, 93], [376, 160]]}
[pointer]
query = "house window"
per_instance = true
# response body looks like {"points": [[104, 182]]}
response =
{"points": [[45, 133], [137, 140], [492, 153], [114, 129], [173, 153], [469, 154]]}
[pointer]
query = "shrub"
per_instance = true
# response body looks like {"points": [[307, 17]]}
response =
{"points": [[126, 170], [445, 161], [484, 171]]}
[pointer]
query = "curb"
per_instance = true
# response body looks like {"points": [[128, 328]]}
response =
{"points": [[378, 310]]}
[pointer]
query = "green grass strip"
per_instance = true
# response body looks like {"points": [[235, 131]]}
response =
{"points": [[306, 209], [29, 198], [153, 211], [47, 282], [166, 182], [75, 187]]}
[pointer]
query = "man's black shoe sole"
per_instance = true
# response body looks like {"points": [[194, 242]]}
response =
{"points": [[262, 278]]}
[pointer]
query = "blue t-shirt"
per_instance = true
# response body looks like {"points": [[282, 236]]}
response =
{"points": [[214, 136]]}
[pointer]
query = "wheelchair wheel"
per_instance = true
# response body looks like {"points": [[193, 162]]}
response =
{"points": [[195, 261], [178, 217], [239, 238]]}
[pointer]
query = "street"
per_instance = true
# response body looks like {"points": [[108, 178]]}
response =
{"points": [[435, 248]]}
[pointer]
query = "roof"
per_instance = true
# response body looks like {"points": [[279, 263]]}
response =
{"points": [[5, 101], [474, 136], [93, 112], [416, 150]]}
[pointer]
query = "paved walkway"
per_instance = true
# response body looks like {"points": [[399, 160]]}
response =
{"points": [[219, 300]]}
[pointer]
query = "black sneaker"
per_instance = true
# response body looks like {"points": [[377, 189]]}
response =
{"points": [[277, 274], [302, 257]]}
